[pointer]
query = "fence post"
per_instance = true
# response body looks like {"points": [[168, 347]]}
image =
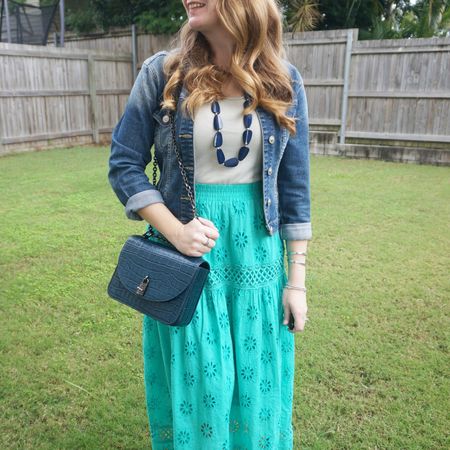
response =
{"points": [[348, 58], [93, 97], [134, 51]]}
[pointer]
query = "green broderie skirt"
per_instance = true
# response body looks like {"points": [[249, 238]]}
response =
{"points": [[225, 381]]}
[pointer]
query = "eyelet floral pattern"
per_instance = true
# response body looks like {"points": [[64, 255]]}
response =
{"points": [[186, 408], [261, 253], [264, 442], [183, 437], [246, 400], [252, 312], [190, 347], [265, 414], [239, 207], [223, 320], [250, 343], [247, 373], [226, 351], [265, 386], [229, 373], [210, 369], [266, 356], [207, 430], [209, 401], [189, 379], [221, 254], [241, 239], [211, 337]]}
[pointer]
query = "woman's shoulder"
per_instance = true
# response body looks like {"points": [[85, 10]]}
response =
{"points": [[155, 61], [295, 74]]}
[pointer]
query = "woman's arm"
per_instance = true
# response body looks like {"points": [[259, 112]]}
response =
{"points": [[159, 216], [294, 173], [188, 238], [294, 300], [297, 272], [132, 139]]}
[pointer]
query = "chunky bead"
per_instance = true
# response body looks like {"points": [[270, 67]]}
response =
{"points": [[243, 152], [231, 162], [247, 120], [220, 156], [218, 125], [215, 107], [218, 139], [247, 136]]}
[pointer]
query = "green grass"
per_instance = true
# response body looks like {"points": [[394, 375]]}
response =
{"points": [[372, 365]]}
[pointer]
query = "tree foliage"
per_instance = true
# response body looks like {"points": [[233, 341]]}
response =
{"points": [[375, 19], [152, 16]]}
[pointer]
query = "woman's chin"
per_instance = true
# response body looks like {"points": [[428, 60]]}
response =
{"points": [[197, 24]]}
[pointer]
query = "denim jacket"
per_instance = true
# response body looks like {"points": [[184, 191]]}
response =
{"points": [[285, 169]]}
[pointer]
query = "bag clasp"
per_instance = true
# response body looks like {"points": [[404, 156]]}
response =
{"points": [[140, 290]]}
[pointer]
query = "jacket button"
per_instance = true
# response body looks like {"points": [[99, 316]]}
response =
{"points": [[269, 171], [268, 202], [166, 118], [270, 228], [271, 138]]}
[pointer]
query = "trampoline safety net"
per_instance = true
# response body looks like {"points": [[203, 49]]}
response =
{"points": [[28, 24]]}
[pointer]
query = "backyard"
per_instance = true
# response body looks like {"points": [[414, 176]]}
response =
{"points": [[372, 365]]}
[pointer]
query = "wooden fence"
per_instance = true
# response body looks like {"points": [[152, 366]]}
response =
{"points": [[382, 99], [146, 44], [57, 97]]}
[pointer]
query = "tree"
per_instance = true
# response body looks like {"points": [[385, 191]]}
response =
{"points": [[375, 19], [427, 18], [305, 15], [152, 16]]}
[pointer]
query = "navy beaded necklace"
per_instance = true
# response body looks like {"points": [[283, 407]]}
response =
{"points": [[218, 138]]}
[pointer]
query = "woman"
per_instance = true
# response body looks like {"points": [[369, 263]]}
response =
{"points": [[225, 381]]}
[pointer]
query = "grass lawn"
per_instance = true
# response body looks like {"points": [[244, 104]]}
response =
{"points": [[372, 364]]}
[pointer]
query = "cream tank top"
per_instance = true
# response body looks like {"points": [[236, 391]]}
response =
{"points": [[207, 169]]}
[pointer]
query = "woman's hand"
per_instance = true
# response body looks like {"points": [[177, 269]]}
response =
{"points": [[294, 301], [191, 238]]}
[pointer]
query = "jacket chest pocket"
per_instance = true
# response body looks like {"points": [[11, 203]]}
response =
{"points": [[163, 132]]}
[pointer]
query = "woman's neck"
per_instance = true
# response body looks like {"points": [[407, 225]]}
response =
{"points": [[222, 46]]}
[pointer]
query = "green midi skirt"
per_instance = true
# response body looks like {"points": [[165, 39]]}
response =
{"points": [[225, 381]]}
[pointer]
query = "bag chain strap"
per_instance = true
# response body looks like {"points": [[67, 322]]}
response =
{"points": [[151, 231]]}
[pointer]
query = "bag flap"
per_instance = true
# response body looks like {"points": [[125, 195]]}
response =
{"points": [[169, 272]]}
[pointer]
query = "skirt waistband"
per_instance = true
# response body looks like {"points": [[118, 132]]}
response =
{"points": [[228, 192]]}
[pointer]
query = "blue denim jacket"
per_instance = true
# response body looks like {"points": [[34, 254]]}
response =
{"points": [[285, 170]]}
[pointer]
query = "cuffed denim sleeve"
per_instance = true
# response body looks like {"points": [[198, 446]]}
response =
{"points": [[294, 174], [132, 139]]}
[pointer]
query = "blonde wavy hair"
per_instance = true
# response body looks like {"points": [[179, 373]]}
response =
{"points": [[256, 64]]}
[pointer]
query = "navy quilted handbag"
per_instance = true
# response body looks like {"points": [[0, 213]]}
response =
{"points": [[155, 278]]}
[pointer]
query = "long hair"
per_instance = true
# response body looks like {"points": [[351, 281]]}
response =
{"points": [[256, 63]]}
